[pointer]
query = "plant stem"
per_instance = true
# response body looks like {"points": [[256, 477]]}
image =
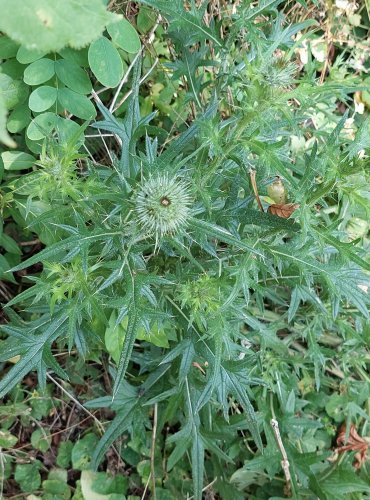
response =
{"points": [[152, 451]]}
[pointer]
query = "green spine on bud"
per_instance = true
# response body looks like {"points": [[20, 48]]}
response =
{"points": [[163, 205]]}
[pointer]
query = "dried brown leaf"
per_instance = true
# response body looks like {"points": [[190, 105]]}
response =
{"points": [[283, 210], [355, 443]]}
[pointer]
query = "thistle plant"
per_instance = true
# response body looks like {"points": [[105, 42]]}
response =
{"points": [[232, 320]]}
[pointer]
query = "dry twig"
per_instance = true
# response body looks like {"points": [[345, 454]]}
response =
{"points": [[285, 462]]}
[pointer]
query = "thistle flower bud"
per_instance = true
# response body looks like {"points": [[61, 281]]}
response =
{"points": [[278, 74], [163, 205]]}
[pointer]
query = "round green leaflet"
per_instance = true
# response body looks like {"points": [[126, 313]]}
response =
{"points": [[125, 36], [105, 62], [13, 92], [77, 104], [17, 160], [73, 76], [19, 118], [39, 71], [41, 126], [8, 48], [42, 98], [27, 56], [77, 56], [13, 68]]}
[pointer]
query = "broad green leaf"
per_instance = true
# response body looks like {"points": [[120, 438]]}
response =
{"points": [[125, 36], [13, 68], [68, 130], [105, 483], [44, 124], [5, 269], [12, 92], [64, 454], [9, 244], [55, 488], [41, 126], [87, 481], [19, 118], [78, 57], [4, 136], [27, 56], [145, 19], [243, 478], [115, 336], [40, 71], [7, 440], [105, 62], [77, 104], [17, 160], [28, 476], [8, 48], [42, 98], [41, 439], [82, 452], [50, 26], [73, 76], [58, 475]]}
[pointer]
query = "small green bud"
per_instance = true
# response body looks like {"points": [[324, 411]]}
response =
{"points": [[277, 191]]}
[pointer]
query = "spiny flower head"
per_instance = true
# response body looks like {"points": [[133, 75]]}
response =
{"points": [[278, 74], [163, 205]]}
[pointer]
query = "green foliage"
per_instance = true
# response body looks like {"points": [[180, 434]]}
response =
{"points": [[207, 316], [4, 136], [50, 27], [28, 476], [82, 452], [50, 77], [105, 62]]}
